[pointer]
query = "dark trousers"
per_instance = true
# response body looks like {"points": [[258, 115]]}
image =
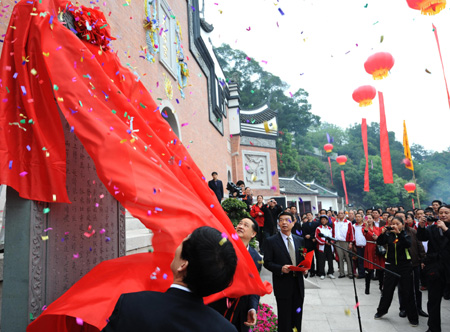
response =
{"points": [[326, 255], [260, 237], [406, 289], [436, 287], [290, 311], [417, 292], [360, 261]]}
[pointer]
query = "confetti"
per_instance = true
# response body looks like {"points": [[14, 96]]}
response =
{"points": [[273, 173], [347, 312], [298, 310], [248, 29], [221, 242], [10, 164], [235, 236], [76, 256], [427, 71], [44, 237], [356, 305], [281, 11], [48, 229], [381, 39], [211, 206], [46, 210], [79, 321]]}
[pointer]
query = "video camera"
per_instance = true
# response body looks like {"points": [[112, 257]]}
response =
{"points": [[431, 219], [232, 188]]}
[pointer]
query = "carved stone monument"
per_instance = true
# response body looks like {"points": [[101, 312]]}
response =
{"points": [[50, 246]]}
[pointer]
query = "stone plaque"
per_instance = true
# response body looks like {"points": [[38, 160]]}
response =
{"points": [[67, 241], [257, 169]]}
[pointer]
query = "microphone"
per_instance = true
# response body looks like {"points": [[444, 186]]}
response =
{"points": [[329, 238]]}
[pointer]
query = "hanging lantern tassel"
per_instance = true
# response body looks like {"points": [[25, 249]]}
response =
{"points": [[345, 187], [331, 171]]}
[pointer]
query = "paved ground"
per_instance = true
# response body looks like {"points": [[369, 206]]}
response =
{"points": [[326, 302]]}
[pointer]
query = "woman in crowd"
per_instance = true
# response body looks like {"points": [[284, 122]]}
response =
{"points": [[399, 261], [324, 249], [371, 233], [258, 214]]}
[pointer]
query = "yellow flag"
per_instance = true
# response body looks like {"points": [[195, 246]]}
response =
{"points": [[408, 162]]}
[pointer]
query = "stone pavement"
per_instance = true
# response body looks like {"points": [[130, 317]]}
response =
{"points": [[326, 302]]}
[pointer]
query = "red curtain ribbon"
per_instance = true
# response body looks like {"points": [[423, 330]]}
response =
{"points": [[345, 186], [146, 171], [366, 153], [384, 144], [331, 171], [442, 63]]}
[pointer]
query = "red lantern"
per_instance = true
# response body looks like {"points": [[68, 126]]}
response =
{"points": [[410, 187], [341, 160], [328, 147], [364, 95], [427, 7], [379, 64]]}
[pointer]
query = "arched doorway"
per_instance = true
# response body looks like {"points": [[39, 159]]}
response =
{"points": [[166, 110]]}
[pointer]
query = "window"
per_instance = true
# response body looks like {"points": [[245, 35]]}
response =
{"points": [[167, 23]]}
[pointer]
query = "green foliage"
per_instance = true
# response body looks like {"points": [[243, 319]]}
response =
{"points": [[235, 209]]}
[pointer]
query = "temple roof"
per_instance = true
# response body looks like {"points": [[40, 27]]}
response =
{"points": [[323, 192], [257, 115], [296, 187]]}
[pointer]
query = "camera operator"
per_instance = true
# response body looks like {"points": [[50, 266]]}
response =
{"points": [[271, 212], [437, 263]]}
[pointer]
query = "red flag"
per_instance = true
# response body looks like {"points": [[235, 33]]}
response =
{"points": [[442, 63], [366, 153], [384, 144], [345, 186], [147, 171], [331, 171]]}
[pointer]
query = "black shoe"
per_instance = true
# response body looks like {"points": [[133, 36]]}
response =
{"points": [[447, 297], [414, 324], [340, 277], [378, 315], [312, 274], [422, 313], [402, 313], [350, 277]]}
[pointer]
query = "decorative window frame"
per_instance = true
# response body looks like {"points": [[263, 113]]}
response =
{"points": [[167, 45]]}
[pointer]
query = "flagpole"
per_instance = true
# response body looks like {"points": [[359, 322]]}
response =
{"points": [[417, 190]]}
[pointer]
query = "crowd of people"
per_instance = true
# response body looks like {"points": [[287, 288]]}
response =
{"points": [[407, 250]]}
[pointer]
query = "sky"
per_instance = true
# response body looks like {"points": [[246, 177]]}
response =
{"points": [[321, 46]]}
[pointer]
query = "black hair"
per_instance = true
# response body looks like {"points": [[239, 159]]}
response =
{"points": [[214, 173], [400, 212], [399, 219], [384, 212], [444, 206], [255, 225], [323, 210], [260, 196], [429, 209], [409, 214], [369, 209], [436, 201], [284, 213], [211, 262], [240, 182]]}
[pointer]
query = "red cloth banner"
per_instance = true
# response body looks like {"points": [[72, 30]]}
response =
{"points": [[47, 72], [366, 154], [345, 186], [331, 170], [442, 63], [384, 144], [412, 200]]}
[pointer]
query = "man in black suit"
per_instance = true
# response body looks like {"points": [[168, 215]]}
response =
{"points": [[241, 312], [216, 185], [282, 251], [437, 263], [203, 265]]}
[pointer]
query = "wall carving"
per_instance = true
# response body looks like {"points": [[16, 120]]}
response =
{"points": [[257, 169]]}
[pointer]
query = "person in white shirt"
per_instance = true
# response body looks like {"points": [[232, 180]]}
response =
{"points": [[343, 233], [360, 244]]}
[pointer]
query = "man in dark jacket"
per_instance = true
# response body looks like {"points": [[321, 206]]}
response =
{"points": [[216, 185], [271, 212], [309, 234], [281, 252], [203, 265], [437, 263], [398, 260]]}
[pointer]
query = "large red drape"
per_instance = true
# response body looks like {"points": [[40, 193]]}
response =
{"points": [[366, 154], [150, 171], [384, 144]]}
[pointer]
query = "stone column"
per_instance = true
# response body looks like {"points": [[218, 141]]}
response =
{"points": [[50, 246]]}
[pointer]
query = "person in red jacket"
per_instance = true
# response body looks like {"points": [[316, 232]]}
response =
{"points": [[258, 214], [343, 233], [371, 233], [324, 249]]}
